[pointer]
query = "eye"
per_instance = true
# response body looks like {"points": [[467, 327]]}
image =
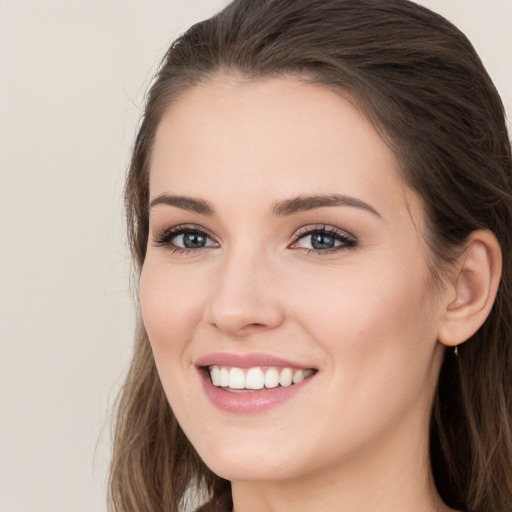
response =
{"points": [[185, 239], [191, 240], [323, 239]]}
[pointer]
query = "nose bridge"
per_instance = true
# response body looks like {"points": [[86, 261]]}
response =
{"points": [[243, 298]]}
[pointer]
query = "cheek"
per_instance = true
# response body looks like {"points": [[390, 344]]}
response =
{"points": [[170, 313], [392, 306], [170, 309], [376, 320], [378, 334]]}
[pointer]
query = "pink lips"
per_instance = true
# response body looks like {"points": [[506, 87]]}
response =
{"points": [[246, 361], [248, 401]]}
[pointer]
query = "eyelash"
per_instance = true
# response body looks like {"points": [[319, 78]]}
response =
{"points": [[165, 239], [346, 240]]}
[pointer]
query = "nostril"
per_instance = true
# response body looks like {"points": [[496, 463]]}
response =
{"points": [[245, 328]]}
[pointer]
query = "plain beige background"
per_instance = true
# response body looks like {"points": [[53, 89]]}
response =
{"points": [[73, 77]]}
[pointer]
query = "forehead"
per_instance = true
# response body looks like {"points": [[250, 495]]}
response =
{"points": [[276, 137]]}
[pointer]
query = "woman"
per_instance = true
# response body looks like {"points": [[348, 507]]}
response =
{"points": [[319, 207]]}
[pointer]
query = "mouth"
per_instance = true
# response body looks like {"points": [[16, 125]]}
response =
{"points": [[254, 382], [246, 380]]}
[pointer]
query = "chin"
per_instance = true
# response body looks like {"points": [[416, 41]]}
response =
{"points": [[239, 462], [254, 471]]}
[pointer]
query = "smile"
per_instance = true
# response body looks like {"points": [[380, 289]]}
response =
{"points": [[256, 378]]}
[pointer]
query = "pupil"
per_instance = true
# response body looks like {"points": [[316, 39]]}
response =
{"points": [[322, 241], [193, 240]]}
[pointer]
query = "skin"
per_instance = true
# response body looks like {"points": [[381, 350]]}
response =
{"points": [[366, 315]]}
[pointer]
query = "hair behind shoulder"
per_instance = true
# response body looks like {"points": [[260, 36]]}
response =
{"points": [[421, 83]]}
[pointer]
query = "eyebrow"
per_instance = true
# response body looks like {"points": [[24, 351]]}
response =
{"points": [[279, 209], [185, 203], [305, 203]]}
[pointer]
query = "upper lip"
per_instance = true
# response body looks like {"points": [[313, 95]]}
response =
{"points": [[247, 361]]}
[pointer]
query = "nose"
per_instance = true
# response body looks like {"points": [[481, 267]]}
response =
{"points": [[244, 298]]}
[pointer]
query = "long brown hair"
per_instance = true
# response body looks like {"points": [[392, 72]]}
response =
{"points": [[421, 83]]}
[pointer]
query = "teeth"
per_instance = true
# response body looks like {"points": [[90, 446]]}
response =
{"points": [[215, 376], [236, 378], [224, 378], [298, 376], [308, 373], [271, 378], [256, 378], [286, 377]]}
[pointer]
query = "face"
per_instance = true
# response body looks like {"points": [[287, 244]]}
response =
{"points": [[286, 263]]}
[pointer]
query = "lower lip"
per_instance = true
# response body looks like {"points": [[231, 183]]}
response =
{"points": [[251, 401]]}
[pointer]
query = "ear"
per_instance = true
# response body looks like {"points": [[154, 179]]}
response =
{"points": [[472, 288]]}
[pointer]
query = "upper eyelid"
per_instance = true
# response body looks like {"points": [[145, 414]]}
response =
{"points": [[327, 228], [184, 227]]}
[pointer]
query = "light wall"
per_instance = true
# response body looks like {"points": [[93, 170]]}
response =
{"points": [[72, 80]]}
